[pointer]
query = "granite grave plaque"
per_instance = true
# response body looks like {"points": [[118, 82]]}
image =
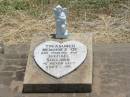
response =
{"points": [[59, 59]]}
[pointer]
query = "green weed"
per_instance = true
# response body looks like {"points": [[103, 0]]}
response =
{"points": [[36, 7]]}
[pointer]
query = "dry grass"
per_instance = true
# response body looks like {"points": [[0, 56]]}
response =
{"points": [[109, 27]]}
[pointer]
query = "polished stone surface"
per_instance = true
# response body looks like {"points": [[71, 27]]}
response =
{"points": [[59, 59]]}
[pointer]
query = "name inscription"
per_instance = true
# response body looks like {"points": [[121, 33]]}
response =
{"points": [[58, 56]]}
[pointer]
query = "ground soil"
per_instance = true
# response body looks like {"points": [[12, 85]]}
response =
{"points": [[20, 27]]}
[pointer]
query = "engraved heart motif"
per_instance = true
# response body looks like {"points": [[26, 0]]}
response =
{"points": [[59, 59]]}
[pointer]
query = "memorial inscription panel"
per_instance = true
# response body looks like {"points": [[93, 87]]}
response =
{"points": [[59, 59]]}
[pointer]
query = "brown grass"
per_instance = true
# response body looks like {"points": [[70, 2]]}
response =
{"points": [[19, 26]]}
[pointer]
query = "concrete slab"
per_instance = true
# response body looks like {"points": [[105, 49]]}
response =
{"points": [[36, 80]]}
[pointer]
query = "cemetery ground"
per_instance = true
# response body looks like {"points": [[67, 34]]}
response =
{"points": [[111, 30], [110, 73], [108, 20], [20, 27]]}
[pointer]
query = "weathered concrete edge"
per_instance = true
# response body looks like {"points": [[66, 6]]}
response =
{"points": [[73, 88], [57, 88]]}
